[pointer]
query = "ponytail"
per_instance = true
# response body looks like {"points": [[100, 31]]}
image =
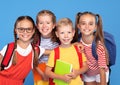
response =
{"points": [[99, 32]]}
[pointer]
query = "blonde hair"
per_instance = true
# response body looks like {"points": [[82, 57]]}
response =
{"points": [[42, 13], [64, 22]]}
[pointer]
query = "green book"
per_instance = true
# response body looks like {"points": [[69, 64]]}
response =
{"points": [[62, 68]]}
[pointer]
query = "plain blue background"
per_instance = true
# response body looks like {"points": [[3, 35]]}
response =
{"points": [[108, 9]]}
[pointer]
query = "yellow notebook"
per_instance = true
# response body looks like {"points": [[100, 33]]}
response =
{"points": [[62, 68]]}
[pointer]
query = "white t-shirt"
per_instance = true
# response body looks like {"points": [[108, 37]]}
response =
{"points": [[21, 51]]}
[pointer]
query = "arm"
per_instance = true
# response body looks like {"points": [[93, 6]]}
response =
{"points": [[66, 77], [47, 52], [82, 70], [44, 77], [1, 57], [102, 63], [102, 77]]}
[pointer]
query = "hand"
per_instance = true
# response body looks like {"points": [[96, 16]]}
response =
{"points": [[44, 77], [67, 78], [74, 73], [80, 47]]}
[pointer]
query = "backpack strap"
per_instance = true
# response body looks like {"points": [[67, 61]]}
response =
{"points": [[94, 54], [8, 55], [57, 54], [80, 58]]}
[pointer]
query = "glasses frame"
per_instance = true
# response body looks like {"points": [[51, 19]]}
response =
{"points": [[28, 30]]}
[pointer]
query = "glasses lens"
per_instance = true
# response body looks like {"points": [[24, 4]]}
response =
{"points": [[28, 30]]}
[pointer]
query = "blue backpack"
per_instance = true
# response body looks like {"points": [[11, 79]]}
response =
{"points": [[110, 45]]}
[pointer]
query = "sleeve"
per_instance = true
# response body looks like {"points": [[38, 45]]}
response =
{"points": [[42, 50], [2, 52], [101, 56], [50, 62]]}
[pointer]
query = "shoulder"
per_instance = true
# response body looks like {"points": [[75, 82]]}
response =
{"points": [[100, 45], [2, 52]]}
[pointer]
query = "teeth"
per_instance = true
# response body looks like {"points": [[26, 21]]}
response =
{"points": [[86, 30], [66, 39], [44, 30], [25, 36]]}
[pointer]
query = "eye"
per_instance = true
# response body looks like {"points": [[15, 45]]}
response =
{"points": [[29, 29], [61, 32], [82, 23], [21, 29], [48, 22], [40, 23], [69, 32]]}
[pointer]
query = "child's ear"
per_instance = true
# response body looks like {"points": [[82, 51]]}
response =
{"points": [[54, 26], [15, 31]]}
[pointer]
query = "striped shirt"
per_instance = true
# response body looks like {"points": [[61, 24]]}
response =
{"points": [[93, 64], [46, 43]]}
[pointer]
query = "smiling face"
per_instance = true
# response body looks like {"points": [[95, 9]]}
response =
{"points": [[24, 30], [65, 35], [87, 24], [45, 25]]}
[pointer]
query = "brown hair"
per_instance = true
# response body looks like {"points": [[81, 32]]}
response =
{"points": [[35, 61], [99, 31], [99, 35]]}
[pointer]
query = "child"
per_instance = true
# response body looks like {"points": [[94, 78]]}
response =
{"points": [[65, 33], [45, 22], [90, 26], [24, 55]]}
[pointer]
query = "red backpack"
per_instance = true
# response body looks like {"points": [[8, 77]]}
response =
{"points": [[56, 50], [8, 54]]}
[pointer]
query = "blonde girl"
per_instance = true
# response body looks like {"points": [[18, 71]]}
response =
{"points": [[45, 22]]}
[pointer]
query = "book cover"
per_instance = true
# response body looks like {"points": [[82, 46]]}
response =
{"points": [[62, 68]]}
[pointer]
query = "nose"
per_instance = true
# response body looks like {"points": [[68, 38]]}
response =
{"points": [[86, 25], [25, 30], [44, 25], [66, 35]]}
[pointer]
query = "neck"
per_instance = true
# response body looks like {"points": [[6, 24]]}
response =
{"points": [[65, 45], [87, 39], [23, 45], [46, 36]]}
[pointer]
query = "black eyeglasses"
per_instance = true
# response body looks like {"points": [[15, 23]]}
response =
{"points": [[28, 30]]}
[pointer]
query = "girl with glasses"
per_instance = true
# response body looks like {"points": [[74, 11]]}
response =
{"points": [[24, 56]]}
